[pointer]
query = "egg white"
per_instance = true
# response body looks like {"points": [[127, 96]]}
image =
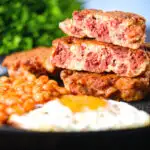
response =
{"points": [[54, 116]]}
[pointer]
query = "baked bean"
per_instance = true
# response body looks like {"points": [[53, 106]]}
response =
{"points": [[36, 89], [43, 79], [52, 82], [2, 107], [31, 77], [19, 90], [17, 82], [4, 79], [3, 117], [9, 110], [10, 101], [55, 94], [25, 97], [38, 97], [45, 87], [61, 90], [28, 105], [46, 95], [18, 109], [28, 89], [4, 88]]}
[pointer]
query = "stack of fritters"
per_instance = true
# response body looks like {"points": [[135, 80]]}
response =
{"points": [[103, 55]]}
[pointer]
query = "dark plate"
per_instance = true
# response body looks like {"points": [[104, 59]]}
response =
{"points": [[116, 139], [121, 139]]}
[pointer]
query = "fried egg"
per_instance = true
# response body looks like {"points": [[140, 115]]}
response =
{"points": [[81, 113]]}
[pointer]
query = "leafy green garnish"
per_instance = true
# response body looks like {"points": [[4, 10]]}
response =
{"points": [[25, 24]]}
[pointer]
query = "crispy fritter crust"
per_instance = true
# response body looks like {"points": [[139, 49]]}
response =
{"points": [[106, 85], [121, 15]]}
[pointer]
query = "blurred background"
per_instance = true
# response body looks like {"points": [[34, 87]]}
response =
{"points": [[30, 23], [25, 24]]}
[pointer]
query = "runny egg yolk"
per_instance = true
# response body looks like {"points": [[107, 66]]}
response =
{"points": [[78, 103]]}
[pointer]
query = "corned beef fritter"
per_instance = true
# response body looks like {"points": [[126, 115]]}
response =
{"points": [[94, 56], [106, 85], [116, 27], [32, 61]]}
